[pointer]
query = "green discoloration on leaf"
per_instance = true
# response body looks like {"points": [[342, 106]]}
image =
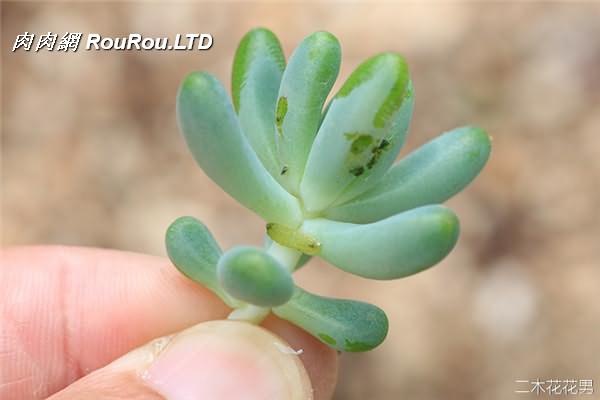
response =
{"points": [[282, 106], [360, 142], [357, 171], [377, 152], [320, 39], [327, 339], [396, 95], [293, 238], [429, 175], [256, 43], [358, 77], [356, 346], [450, 226], [372, 103], [313, 53], [196, 81]]}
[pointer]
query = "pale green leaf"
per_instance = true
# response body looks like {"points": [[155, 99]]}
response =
{"points": [[253, 276], [399, 130], [195, 253], [215, 138], [392, 248], [345, 325], [429, 175], [361, 134], [257, 69], [307, 80]]}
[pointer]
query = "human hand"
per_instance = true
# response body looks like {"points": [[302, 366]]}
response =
{"points": [[71, 318]]}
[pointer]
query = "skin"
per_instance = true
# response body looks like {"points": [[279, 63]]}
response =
{"points": [[67, 311]]}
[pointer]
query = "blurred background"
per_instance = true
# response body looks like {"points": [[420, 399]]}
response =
{"points": [[91, 156]]}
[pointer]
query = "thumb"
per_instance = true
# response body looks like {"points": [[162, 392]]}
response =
{"points": [[213, 360]]}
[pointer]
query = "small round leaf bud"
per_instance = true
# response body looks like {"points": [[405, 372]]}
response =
{"points": [[251, 275]]}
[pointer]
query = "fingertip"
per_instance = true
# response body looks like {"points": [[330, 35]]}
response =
{"points": [[212, 360], [228, 359], [320, 361]]}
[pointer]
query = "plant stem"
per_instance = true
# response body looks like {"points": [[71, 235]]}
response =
{"points": [[254, 314], [249, 313], [286, 256]]}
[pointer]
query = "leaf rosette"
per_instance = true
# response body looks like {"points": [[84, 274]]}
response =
{"points": [[322, 177]]}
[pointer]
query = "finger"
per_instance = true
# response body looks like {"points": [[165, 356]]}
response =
{"points": [[321, 364], [68, 311], [212, 360]]}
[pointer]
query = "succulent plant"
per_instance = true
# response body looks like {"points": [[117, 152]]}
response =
{"points": [[322, 178]]}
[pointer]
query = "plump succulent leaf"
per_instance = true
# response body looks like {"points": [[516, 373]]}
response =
{"points": [[257, 69], [401, 245], [429, 175], [399, 130], [215, 138], [307, 80], [361, 134], [253, 276], [344, 325], [195, 253]]}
